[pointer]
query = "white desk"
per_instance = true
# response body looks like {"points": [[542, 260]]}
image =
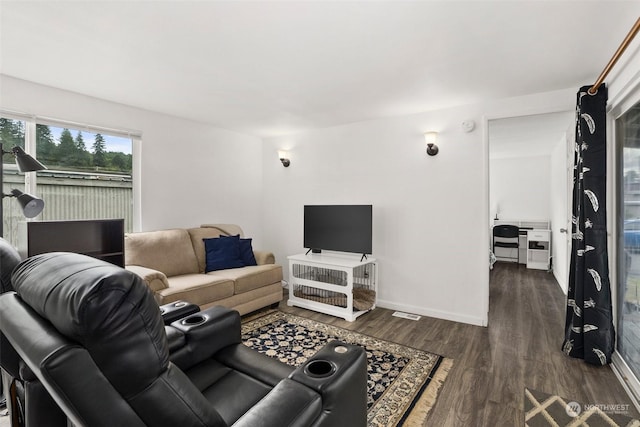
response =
{"points": [[534, 243]]}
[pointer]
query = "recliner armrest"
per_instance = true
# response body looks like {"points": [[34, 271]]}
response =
{"points": [[206, 332], [175, 338], [288, 404], [339, 373], [177, 310]]}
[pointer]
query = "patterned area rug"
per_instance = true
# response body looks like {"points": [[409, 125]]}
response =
{"points": [[545, 410], [403, 382]]}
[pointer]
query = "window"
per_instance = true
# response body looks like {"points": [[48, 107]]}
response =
{"points": [[12, 133], [628, 295], [88, 175]]}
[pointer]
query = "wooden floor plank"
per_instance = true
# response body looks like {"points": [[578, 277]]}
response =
{"points": [[520, 348]]}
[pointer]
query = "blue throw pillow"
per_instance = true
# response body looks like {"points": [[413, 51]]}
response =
{"points": [[222, 253], [246, 250]]}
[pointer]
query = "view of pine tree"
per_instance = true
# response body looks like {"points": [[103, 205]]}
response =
{"points": [[80, 142], [45, 144], [11, 134], [67, 148], [99, 159], [82, 156], [67, 153]]}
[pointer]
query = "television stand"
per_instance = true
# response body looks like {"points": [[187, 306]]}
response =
{"points": [[339, 285]]}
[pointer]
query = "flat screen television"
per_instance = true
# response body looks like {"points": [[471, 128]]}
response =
{"points": [[342, 228]]}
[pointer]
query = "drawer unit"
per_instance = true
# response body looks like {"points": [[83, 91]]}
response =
{"points": [[539, 249]]}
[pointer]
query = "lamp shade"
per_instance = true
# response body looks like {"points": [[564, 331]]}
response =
{"points": [[25, 162], [430, 137], [31, 205]]}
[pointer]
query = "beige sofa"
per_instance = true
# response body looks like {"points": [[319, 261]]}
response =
{"points": [[172, 263]]}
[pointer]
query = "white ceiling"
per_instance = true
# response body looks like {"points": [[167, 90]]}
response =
{"points": [[271, 68]]}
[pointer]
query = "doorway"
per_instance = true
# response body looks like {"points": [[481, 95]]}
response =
{"points": [[530, 165]]}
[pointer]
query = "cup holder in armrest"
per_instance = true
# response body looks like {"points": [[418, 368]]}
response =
{"points": [[319, 368], [196, 320], [177, 310], [329, 364]]}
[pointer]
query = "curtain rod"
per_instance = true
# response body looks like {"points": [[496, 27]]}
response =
{"points": [[623, 46]]}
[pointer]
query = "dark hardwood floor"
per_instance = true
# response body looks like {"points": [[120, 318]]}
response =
{"points": [[492, 366]]}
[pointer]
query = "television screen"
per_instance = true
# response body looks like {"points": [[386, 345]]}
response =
{"points": [[342, 228]]}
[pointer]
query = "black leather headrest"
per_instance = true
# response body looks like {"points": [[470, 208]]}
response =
{"points": [[9, 259], [106, 309]]}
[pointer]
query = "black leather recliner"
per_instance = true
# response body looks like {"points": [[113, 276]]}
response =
{"points": [[19, 384], [93, 335]]}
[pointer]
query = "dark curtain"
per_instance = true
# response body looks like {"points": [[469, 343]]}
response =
{"points": [[589, 332]]}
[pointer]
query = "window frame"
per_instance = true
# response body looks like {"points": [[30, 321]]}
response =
{"points": [[31, 121], [618, 107]]}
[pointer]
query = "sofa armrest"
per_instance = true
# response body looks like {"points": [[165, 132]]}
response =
{"points": [[154, 279], [264, 257], [288, 404]]}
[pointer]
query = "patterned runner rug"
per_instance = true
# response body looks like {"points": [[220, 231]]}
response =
{"points": [[403, 382], [546, 410]]}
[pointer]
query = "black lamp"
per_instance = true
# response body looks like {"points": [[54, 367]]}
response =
{"points": [[31, 205], [25, 162]]}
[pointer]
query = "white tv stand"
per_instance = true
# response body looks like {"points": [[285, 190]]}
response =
{"points": [[326, 283]]}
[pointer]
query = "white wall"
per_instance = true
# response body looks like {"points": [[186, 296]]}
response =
{"points": [[191, 173], [559, 208], [519, 186], [430, 213]]}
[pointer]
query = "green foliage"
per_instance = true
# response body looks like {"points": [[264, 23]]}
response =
{"points": [[82, 157], [68, 153], [45, 145], [11, 134], [66, 149], [99, 159]]}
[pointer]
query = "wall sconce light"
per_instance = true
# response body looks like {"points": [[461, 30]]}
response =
{"points": [[284, 158], [430, 139]]}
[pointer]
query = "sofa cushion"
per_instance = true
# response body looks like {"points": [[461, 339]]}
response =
{"points": [[222, 253], [252, 277], [197, 289], [168, 251], [207, 232]]}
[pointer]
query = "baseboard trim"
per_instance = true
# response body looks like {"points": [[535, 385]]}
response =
{"points": [[446, 315], [559, 281]]}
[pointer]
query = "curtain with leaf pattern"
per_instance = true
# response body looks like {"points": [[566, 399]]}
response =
{"points": [[589, 332]]}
